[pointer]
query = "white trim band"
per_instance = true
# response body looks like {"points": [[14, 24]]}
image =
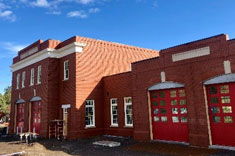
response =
{"points": [[191, 54], [66, 106], [48, 53]]}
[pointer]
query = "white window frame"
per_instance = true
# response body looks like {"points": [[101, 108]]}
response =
{"points": [[92, 106], [111, 111], [66, 78], [39, 76], [125, 106], [18, 81], [32, 76], [23, 80]]}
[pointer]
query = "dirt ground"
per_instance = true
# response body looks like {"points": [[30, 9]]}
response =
{"points": [[45, 147]]}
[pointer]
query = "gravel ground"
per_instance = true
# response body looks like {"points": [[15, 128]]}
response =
{"points": [[45, 147]]}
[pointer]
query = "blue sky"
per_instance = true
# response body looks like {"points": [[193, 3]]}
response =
{"points": [[154, 24]]}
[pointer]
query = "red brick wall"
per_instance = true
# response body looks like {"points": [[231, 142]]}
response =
{"points": [[86, 69], [192, 73], [67, 91], [117, 86], [99, 59], [28, 92]]}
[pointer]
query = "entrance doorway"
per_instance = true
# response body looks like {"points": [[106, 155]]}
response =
{"points": [[36, 117], [221, 100], [169, 114]]}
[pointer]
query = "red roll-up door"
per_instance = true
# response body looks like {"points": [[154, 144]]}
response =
{"points": [[221, 103], [169, 115], [20, 117], [36, 117]]}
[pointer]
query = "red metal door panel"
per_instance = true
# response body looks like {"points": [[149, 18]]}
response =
{"points": [[169, 115], [36, 117], [221, 101], [20, 117]]}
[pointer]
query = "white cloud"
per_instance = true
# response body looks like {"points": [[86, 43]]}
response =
{"points": [[94, 10], [80, 14], [41, 3], [12, 47], [8, 15], [85, 1], [5, 13]]}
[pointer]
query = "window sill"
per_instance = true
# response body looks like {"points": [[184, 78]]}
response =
{"points": [[39, 83], [31, 85], [114, 126], [88, 127], [65, 80], [128, 126]]}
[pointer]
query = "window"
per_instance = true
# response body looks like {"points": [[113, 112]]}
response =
{"points": [[212, 90], [32, 77], [163, 118], [66, 70], [23, 79], [128, 111], [155, 111], [183, 102], [173, 102], [156, 119], [183, 110], [18, 81], [224, 89], [114, 112], [184, 119], [174, 110], [228, 119], [173, 93], [162, 103], [155, 103], [175, 119], [39, 74], [227, 109], [225, 99], [162, 94], [214, 100], [181, 93], [163, 111], [90, 113], [154, 95], [215, 109]]}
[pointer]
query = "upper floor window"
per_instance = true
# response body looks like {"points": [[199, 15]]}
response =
{"points": [[128, 111], [39, 74], [114, 112], [23, 79], [32, 77], [66, 70], [90, 113], [18, 81]]}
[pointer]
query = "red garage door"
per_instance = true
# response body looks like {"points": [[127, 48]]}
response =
{"points": [[169, 115], [20, 117], [221, 100], [36, 117]]}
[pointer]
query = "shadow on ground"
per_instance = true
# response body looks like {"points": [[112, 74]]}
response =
{"points": [[84, 147]]}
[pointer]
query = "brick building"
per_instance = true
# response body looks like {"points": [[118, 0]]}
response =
{"points": [[183, 93]]}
